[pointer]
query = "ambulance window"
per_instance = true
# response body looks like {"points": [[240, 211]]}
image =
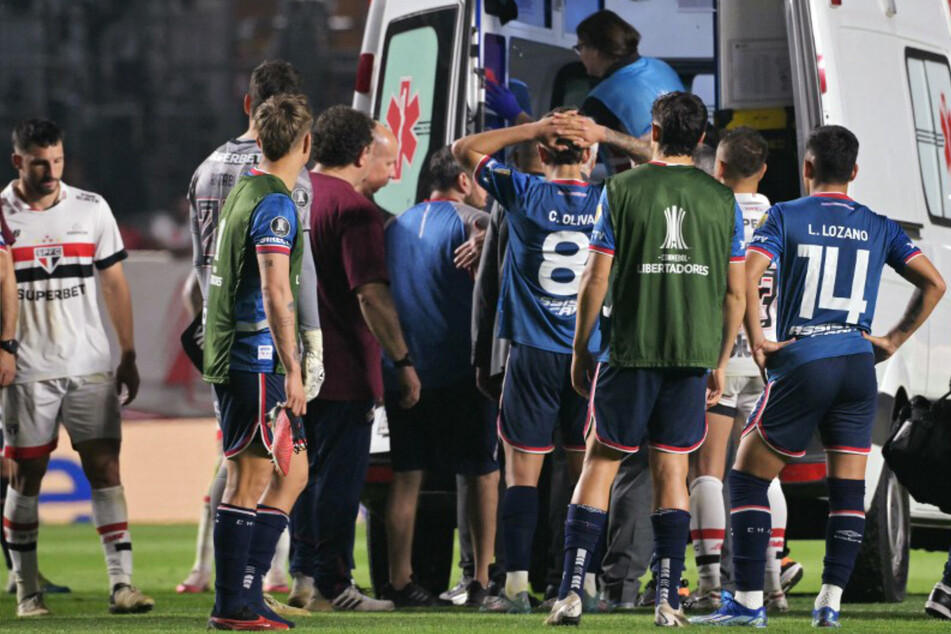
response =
{"points": [[578, 10], [534, 12], [929, 81], [413, 99]]}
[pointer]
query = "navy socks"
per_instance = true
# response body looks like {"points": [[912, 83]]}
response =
{"points": [[234, 527], [583, 530], [751, 525], [671, 531], [519, 517], [844, 531]]}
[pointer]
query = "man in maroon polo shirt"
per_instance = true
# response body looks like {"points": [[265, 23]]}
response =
{"points": [[358, 318]]}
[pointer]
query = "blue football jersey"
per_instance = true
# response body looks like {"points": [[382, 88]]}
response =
{"points": [[550, 225], [274, 227], [829, 252]]}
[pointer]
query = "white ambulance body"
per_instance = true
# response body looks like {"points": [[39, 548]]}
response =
{"points": [[879, 67]]}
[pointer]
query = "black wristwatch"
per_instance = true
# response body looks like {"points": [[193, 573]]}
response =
{"points": [[405, 362], [10, 345]]}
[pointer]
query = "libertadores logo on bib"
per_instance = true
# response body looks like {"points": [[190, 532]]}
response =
{"points": [[48, 257], [401, 117], [675, 229]]}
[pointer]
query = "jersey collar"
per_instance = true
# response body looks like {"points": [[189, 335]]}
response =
{"points": [[256, 171], [837, 195], [568, 181], [666, 164], [752, 198], [10, 194]]}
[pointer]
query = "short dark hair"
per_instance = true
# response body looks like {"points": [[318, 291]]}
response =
{"points": [[572, 154], [40, 132], [272, 77], [682, 118], [341, 134], [281, 121], [834, 150], [444, 170], [744, 152], [607, 33]]}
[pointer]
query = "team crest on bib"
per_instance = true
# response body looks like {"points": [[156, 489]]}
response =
{"points": [[300, 197], [48, 257], [280, 227]]}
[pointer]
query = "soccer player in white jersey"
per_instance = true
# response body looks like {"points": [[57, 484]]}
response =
{"points": [[740, 165], [64, 369], [210, 186]]}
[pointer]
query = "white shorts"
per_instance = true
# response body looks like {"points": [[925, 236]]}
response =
{"points": [[740, 395], [88, 406]]}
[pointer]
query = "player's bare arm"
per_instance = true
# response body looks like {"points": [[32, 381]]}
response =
{"points": [[585, 132], [470, 150], [282, 321], [929, 288], [379, 311], [468, 254], [118, 300], [592, 290], [734, 307], [9, 310]]}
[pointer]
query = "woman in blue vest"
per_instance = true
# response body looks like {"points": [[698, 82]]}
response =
{"points": [[628, 83]]}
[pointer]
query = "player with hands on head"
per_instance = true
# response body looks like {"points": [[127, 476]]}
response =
{"points": [[666, 246], [829, 251], [252, 358], [550, 220]]}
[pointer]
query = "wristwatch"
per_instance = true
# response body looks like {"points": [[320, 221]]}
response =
{"points": [[10, 345], [405, 362]]}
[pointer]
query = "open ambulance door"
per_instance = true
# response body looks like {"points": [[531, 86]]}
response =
{"points": [[411, 78]]}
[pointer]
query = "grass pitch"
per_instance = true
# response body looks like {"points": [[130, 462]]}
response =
{"points": [[163, 555]]}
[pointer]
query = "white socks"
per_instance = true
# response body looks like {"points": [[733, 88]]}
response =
{"points": [[112, 523], [591, 584], [516, 582], [829, 596], [21, 522], [707, 528], [204, 545], [278, 572], [777, 508], [752, 599]]}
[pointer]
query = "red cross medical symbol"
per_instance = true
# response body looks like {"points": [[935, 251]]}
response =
{"points": [[401, 115]]}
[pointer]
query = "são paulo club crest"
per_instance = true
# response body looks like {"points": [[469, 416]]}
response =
{"points": [[401, 117], [48, 257]]}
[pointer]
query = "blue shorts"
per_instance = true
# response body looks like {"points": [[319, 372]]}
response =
{"points": [[665, 405], [838, 395], [243, 403], [447, 430], [536, 397]]}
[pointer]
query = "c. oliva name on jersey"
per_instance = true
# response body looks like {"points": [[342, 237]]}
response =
{"points": [[838, 231]]}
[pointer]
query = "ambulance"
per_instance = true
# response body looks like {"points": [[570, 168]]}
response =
{"points": [[879, 67]]}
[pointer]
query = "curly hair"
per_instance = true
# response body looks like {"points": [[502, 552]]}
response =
{"points": [[341, 134]]}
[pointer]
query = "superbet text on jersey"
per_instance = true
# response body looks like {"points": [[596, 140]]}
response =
{"points": [[830, 252], [209, 189], [60, 329], [754, 207]]}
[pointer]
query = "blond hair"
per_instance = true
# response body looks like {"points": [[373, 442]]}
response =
{"points": [[281, 121]]}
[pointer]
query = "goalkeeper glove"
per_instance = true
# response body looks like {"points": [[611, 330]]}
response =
{"points": [[313, 365]]}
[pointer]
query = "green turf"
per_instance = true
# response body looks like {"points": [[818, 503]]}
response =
{"points": [[163, 555]]}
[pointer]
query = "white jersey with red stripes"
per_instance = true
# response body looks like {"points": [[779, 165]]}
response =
{"points": [[754, 208], [56, 250]]}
